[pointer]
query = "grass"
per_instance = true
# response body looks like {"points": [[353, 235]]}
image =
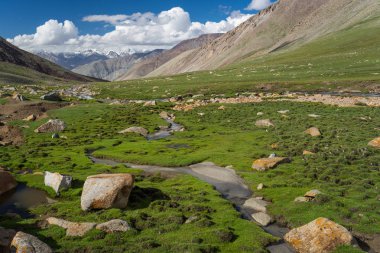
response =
{"points": [[344, 169]]}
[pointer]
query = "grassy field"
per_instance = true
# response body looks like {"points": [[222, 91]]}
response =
{"points": [[344, 169], [349, 59]]}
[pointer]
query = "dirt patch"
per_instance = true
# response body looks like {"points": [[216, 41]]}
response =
{"points": [[14, 110], [10, 135]]}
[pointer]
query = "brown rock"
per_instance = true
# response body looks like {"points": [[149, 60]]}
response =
{"points": [[313, 131], [375, 143], [7, 182], [305, 152], [264, 164], [72, 228], [106, 191], [319, 236], [25, 243]]}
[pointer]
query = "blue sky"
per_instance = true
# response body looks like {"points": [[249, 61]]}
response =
{"points": [[192, 18]]}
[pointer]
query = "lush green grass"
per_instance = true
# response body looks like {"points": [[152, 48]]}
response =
{"points": [[349, 59]]}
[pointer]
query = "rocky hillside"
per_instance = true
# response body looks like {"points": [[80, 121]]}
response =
{"points": [[288, 24], [110, 69], [12, 58], [148, 65]]}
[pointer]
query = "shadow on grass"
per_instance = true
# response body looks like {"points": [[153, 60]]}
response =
{"points": [[142, 197]]}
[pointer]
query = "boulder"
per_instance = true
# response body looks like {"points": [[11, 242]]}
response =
{"points": [[264, 164], [72, 228], [313, 131], [31, 117], [264, 123], [57, 181], [7, 182], [52, 96], [6, 236], [25, 243], [53, 125], [138, 130], [262, 218], [256, 204], [375, 143], [113, 226], [319, 236], [106, 191]]}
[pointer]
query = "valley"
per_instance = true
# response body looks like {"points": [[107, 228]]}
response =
{"points": [[265, 138]]}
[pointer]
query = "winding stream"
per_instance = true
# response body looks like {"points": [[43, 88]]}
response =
{"points": [[230, 185]]}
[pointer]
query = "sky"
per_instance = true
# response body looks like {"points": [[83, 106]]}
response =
{"points": [[118, 25]]}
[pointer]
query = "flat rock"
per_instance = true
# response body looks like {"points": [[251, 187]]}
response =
{"points": [[305, 152], [262, 218], [302, 199], [7, 182], [113, 226], [106, 191], [313, 131], [375, 143], [52, 126], [318, 236], [256, 204], [57, 181], [25, 243], [264, 164], [137, 130], [264, 123], [72, 228]]}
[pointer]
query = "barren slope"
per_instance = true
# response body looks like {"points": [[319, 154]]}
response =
{"points": [[286, 24]]}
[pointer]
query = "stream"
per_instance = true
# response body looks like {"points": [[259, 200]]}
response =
{"points": [[230, 185]]}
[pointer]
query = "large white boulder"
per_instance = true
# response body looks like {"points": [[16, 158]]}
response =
{"points": [[106, 191]]}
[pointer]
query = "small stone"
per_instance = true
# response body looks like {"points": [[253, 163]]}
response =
{"points": [[25, 243], [55, 136], [114, 226], [138, 130], [283, 112], [262, 218], [375, 143], [191, 219], [268, 163], [260, 114], [302, 199], [222, 108], [305, 152], [312, 193], [264, 123], [313, 131], [53, 125], [30, 118], [256, 204], [260, 186]]}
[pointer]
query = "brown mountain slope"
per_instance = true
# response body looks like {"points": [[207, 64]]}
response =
{"points": [[146, 66], [12, 55], [286, 24]]}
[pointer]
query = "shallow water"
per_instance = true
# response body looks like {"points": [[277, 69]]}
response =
{"points": [[19, 200]]}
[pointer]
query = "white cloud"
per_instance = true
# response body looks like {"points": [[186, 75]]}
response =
{"points": [[139, 32], [258, 5], [112, 19]]}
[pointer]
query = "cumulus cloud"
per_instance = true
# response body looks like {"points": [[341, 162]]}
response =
{"points": [[139, 32], [258, 5]]}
